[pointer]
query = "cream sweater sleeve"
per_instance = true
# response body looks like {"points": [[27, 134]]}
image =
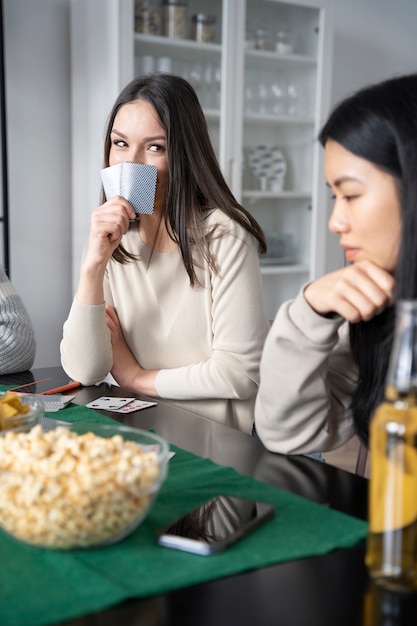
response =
{"points": [[307, 380], [86, 353], [239, 328]]}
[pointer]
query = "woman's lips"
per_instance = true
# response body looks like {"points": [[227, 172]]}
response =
{"points": [[350, 253]]}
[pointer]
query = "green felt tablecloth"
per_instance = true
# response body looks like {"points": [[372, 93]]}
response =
{"points": [[39, 587]]}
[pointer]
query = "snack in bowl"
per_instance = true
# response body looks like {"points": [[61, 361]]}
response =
{"points": [[85, 486], [19, 412]]}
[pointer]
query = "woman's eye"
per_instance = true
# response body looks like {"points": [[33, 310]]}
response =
{"points": [[156, 148], [119, 143], [347, 198]]}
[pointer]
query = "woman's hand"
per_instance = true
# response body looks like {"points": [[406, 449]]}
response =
{"points": [[109, 222], [357, 292], [126, 370]]}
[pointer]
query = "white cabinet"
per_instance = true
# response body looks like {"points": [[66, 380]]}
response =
{"points": [[263, 81]]}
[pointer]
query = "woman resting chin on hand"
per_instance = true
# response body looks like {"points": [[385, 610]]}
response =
{"points": [[356, 292], [325, 359]]}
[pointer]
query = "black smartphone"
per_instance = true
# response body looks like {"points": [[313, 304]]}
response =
{"points": [[214, 525]]}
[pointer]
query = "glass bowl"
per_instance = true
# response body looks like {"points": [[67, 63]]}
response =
{"points": [[88, 485], [22, 422]]}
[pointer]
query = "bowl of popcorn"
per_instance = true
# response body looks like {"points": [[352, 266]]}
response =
{"points": [[88, 485], [19, 412]]}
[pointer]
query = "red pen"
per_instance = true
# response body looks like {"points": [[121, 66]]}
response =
{"points": [[34, 382], [61, 389]]}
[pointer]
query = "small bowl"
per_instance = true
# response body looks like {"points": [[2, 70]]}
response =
{"points": [[23, 421], [92, 496]]}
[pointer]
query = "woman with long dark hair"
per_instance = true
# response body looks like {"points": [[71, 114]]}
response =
{"points": [[184, 319], [325, 360]]}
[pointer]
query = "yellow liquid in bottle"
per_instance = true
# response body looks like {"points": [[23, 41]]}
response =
{"points": [[392, 539]]}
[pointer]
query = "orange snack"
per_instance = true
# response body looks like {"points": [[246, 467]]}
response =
{"points": [[11, 405]]}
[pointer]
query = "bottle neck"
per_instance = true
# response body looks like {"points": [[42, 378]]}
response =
{"points": [[401, 380]]}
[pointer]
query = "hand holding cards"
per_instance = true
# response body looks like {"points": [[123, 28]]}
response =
{"points": [[135, 182], [119, 405]]}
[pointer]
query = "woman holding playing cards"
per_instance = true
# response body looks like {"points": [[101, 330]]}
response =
{"points": [[170, 303]]}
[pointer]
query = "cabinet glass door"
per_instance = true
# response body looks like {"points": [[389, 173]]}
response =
{"points": [[183, 38], [258, 69], [279, 151]]}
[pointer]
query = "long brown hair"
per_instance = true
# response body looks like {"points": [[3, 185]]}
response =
{"points": [[195, 182]]}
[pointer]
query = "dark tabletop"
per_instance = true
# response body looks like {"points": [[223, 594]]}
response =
{"points": [[330, 590]]}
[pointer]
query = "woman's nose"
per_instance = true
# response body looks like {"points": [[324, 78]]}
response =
{"points": [[134, 154], [338, 222], [134, 157]]}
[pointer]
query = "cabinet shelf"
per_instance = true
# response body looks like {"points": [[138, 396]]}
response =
{"points": [[272, 270], [288, 195], [176, 47], [260, 57], [266, 119], [212, 115]]}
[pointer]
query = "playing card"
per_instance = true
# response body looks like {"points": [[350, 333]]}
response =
{"points": [[56, 402], [134, 405], [109, 404], [136, 182]]}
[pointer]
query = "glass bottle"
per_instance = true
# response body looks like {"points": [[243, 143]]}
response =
{"points": [[391, 554], [175, 18], [382, 607], [203, 27], [147, 18], [263, 39], [283, 42]]}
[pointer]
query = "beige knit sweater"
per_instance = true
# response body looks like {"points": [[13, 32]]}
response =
{"points": [[205, 341]]}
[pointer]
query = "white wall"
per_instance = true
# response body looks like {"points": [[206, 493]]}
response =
{"points": [[39, 139], [374, 39]]}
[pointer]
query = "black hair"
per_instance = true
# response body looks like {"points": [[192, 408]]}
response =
{"points": [[379, 124]]}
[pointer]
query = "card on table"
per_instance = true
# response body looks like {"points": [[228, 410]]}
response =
{"points": [[55, 403], [108, 403], [119, 405], [135, 405]]}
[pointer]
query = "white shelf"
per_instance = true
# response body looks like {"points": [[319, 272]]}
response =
{"points": [[253, 194], [273, 270], [266, 119], [277, 58], [176, 46], [212, 115]]}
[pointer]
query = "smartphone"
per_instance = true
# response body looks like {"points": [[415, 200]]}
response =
{"points": [[215, 525]]}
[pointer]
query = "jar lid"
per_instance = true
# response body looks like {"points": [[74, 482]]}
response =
{"points": [[205, 18]]}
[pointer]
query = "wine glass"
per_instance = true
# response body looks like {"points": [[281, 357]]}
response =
{"points": [[251, 92], [292, 99], [277, 98], [263, 97]]}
